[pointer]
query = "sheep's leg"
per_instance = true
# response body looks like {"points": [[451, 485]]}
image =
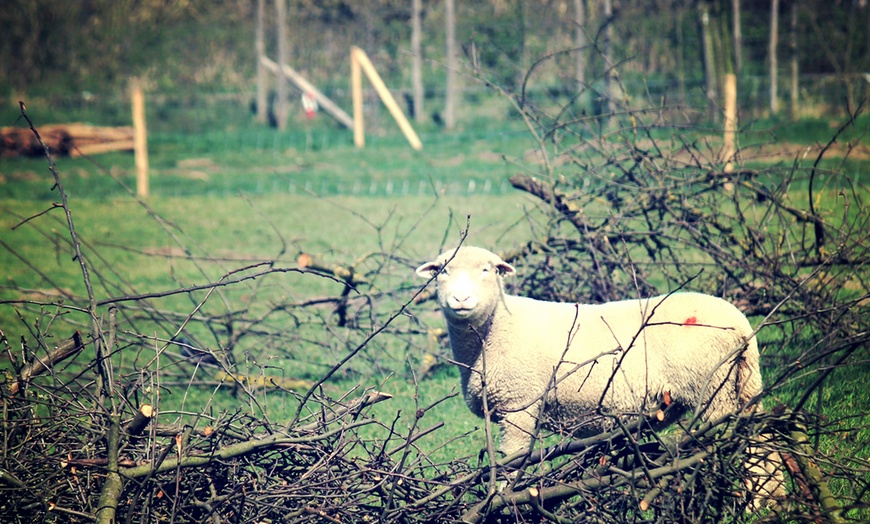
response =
{"points": [[517, 429], [766, 482]]}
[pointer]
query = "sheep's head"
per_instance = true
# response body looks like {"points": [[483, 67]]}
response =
{"points": [[469, 284]]}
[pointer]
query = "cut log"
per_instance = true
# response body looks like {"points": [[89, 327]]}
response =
{"points": [[104, 147], [141, 420], [73, 139]]}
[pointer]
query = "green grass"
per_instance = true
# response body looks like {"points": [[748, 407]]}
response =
{"points": [[263, 161], [225, 200], [807, 131], [125, 244]]}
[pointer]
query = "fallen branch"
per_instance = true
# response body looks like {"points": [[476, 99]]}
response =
{"points": [[592, 481], [247, 447], [555, 197], [810, 475], [40, 365]]}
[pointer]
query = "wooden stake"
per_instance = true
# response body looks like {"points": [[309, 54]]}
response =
{"points": [[730, 140], [359, 59], [140, 139], [359, 132]]}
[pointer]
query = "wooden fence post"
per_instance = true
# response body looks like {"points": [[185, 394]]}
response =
{"points": [[140, 138], [729, 148], [359, 134]]}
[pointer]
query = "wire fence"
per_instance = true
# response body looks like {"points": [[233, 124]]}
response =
{"points": [[221, 126], [228, 186], [404, 187], [201, 111]]}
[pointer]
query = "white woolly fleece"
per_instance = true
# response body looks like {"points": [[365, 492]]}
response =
{"points": [[582, 362]]}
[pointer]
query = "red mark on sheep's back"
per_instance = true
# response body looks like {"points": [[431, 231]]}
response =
{"points": [[690, 321]]}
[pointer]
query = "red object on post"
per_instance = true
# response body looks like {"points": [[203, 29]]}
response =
{"points": [[309, 104]]}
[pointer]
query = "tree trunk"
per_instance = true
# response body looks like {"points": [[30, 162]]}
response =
{"points": [[793, 47], [262, 75], [774, 41], [450, 98], [608, 56], [722, 41], [727, 78], [281, 103], [523, 54], [580, 49], [709, 60], [681, 61], [416, 61], [738, 37]]}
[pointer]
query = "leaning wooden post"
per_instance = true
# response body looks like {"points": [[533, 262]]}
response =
{"points": [[359, 59], [307, 87], [140, 138]]}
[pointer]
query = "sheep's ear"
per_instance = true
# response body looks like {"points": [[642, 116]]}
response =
{"points": [[428, 270], [505, 269]]}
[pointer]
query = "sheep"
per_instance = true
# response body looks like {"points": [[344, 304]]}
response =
{"points": [[573, 366]]}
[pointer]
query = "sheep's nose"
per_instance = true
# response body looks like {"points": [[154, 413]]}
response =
{"points": [[458, 299], [463, 301]]}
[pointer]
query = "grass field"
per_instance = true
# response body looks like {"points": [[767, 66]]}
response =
{"points": [[222, 215], [225, 201]]}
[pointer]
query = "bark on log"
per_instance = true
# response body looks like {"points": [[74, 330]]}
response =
{"points": [[140, 421], [339, 271], [73, 139], [811, 476]]}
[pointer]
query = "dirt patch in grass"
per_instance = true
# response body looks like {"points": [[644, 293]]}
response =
{"points": [[778, 152]]}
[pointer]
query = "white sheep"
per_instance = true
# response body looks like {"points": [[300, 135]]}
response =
{"points": [[572, 365]]}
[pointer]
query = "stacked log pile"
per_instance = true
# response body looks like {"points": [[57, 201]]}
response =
{"points": [[65, 140]]}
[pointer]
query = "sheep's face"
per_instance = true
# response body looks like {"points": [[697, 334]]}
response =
{"points": [[469, 284]]}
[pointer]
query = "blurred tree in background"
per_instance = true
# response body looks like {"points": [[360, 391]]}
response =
{"points": [[54, 48]]}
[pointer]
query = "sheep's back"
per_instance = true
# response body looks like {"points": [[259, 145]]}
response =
{"points": [[633, 349]]}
